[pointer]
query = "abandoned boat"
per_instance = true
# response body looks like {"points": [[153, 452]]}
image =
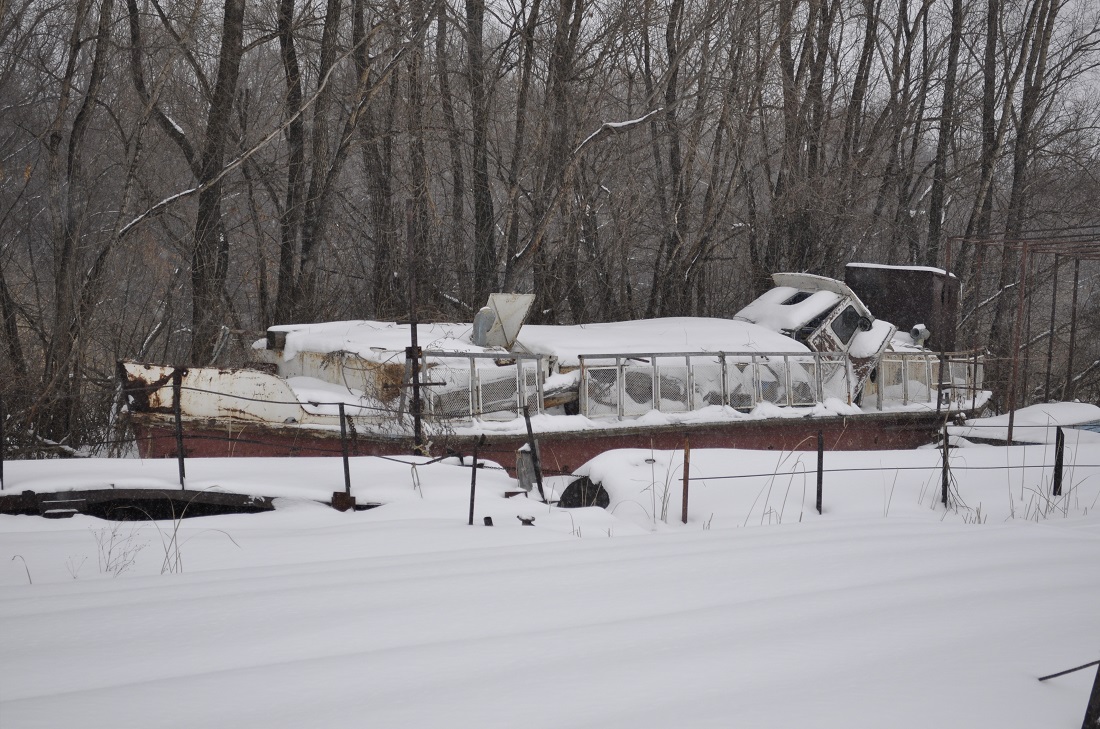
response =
{"points": [[807, 356]]}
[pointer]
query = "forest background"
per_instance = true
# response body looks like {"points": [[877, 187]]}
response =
{"points": [[177, 175]]}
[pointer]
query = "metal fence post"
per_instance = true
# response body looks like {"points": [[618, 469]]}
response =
{"points": [[687, 468], [1092, 711], [1059, 447], [177, 409], [3, 442], [344, 450], [945, 474], [820, 466], [534, 452], [473, 484]]}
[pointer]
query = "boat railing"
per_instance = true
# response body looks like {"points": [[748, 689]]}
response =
{"points": [[489, 385], [631, 384], [497, 386], [626, 385], [903, 378]]}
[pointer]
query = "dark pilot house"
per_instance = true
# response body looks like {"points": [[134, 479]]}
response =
{"points": [[909, 297]]}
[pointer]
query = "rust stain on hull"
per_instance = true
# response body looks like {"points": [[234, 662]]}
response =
{"points": [[562, 452]]}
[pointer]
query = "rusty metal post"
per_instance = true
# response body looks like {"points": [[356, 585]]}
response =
{"points": [[1025, 344], [687, 471], [1050, 335], [344, 501], [1092, 711], [3, 442], [413, 352], [1059, 447], [1067, 390], [942, 357], [473, 485], [974, 384], [945, 471], [177, 410], [820, 467], [344, 450], [1016, 342], [534, 452]]}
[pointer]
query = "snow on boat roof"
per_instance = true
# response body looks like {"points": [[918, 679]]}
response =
{"points": [[379, 341], [673, 334], [929, 269], [374, 340], [770, 309]]}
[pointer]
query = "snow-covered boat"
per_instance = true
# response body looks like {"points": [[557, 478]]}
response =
{"points": [[807, 356]]}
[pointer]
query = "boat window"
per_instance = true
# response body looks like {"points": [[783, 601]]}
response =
{"points": [[845, 324], [800, 296], [803, 333]]}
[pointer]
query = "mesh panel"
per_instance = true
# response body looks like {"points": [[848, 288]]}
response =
{"points": [[494, 388], [920, 381], [803, 381], [638, 389], [890, 379], [708, 385], [741, 385], [451, 397], [672, 389], [601, 391], [498, 393], [531, 386], [834, 378], [773, 381]]}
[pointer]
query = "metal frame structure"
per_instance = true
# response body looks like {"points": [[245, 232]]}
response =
{"points": [[476, 406], [622, 361], [1072, 243]]}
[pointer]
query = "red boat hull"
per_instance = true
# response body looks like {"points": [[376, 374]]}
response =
{"points": [[561, 452]]}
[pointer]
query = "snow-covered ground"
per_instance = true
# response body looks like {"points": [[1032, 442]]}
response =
{"points": [[886, 610]]}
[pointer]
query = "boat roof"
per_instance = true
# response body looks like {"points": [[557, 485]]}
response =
{"points": [[381, 341], [775, 310]]}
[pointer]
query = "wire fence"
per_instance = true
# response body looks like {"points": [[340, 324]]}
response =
{"points": [[476, 388]]}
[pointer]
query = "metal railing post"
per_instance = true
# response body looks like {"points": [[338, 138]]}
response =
{"points": [[725, 380], [904, 379], [819, 378], [655, 383], [475, 390], [620, 387], [787, 380], [540, 384], [583, 386], [521, 384], [690, 383], [757, 392], [880, 388]]}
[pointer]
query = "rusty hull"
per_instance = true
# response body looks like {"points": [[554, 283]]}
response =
{"points": [[561, 451]]}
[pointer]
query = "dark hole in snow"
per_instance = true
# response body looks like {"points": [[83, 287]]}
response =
{"points": [[163, 508], [583, 492]]}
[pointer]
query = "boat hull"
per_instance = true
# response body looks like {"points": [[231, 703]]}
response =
{"points": [[561, 451]]}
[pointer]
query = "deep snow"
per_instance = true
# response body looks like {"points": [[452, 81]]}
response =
{"points": [[887, 610]]}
